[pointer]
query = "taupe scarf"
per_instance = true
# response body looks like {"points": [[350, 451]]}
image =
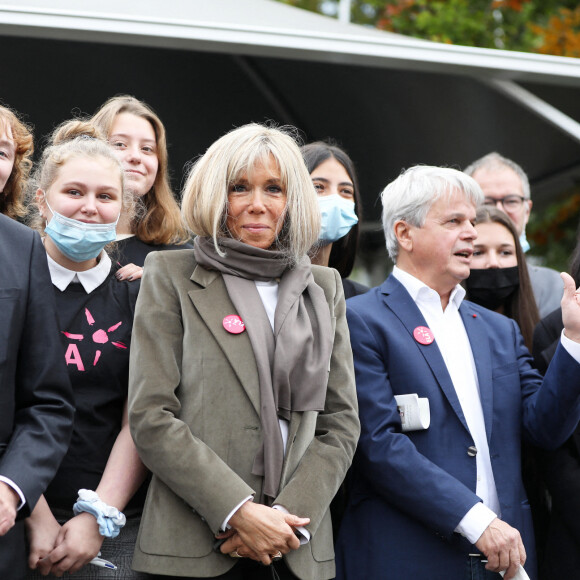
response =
{"points": [[293, 362]]}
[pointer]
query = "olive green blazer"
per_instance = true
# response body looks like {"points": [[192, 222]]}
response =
{"points": [[194, 411]]}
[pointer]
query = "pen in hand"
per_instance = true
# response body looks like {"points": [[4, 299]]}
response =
{"points": [[102, 563]]}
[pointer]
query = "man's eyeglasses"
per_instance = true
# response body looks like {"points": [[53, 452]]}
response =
{"points": [[509, 202]]}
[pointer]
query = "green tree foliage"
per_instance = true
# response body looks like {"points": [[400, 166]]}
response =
{"points": [[553, 231], [546, 26], [543, 26], [561, 34], [468, 22]]}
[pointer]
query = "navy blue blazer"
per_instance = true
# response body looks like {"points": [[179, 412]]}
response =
{"points": [[36, 408], [410, 491]]}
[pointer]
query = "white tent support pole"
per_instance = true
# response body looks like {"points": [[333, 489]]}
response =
{"points": [[344, 11], [538, 106]]}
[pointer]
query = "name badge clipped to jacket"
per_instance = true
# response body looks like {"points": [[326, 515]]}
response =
{"points": [[414, 412]]}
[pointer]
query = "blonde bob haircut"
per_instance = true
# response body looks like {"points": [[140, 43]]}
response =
{"points": [[161, 223], [205, 198], [12, 198]]}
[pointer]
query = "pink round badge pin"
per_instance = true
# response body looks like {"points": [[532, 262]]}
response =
{"points": [[423, 335], [234, 324]]}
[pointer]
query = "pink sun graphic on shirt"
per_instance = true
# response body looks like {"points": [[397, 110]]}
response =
{"points": [[73, 356]]}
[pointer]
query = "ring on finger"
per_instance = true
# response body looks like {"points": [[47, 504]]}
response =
{"points": [[235, 554], [277, 556]]}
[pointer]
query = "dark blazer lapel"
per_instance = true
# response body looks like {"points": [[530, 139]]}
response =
{"points": [[399, 301], [213, 304], [479, 340]]}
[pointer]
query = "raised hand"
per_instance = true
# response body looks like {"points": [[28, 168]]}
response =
{"points": [[571, 308]]}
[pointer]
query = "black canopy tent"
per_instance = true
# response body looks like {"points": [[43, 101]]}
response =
{"points": [[205, 67]]}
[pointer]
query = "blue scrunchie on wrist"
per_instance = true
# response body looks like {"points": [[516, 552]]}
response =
{"points": [[109, 518]]}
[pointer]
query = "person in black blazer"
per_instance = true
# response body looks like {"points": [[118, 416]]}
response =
{"points": [[560, 469], [35, 396]]}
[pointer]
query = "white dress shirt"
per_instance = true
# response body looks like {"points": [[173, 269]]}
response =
{"points": [[11, 484], [268, 292], [453, 343], [90, 279]]}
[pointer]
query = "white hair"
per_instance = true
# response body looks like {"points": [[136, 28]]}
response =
{"points": [[411, 195]]}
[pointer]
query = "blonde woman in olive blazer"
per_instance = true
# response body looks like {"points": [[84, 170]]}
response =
{"points": [[196, 401]]}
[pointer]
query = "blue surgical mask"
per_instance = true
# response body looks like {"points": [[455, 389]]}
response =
{"points": [[77, 240], [524, 242], [338, 217]]}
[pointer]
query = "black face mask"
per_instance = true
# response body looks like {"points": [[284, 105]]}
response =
{"points": [[491, 287]]}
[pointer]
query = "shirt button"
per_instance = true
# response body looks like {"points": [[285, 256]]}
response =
{"points": [[472, 451]]}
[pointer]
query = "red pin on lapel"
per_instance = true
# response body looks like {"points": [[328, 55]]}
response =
{"points": [[234, 324], [423, 335]]}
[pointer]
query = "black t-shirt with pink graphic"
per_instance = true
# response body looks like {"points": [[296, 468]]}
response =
{"points": [[96, 333], [134, 251]]}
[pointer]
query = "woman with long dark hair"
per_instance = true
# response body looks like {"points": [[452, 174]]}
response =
{"points": [[560, 468], [499, 278], [335, 180]]}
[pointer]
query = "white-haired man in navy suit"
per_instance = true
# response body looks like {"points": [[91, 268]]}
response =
{"points": [[446, 502]]}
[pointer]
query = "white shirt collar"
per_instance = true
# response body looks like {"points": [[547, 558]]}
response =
{"points": [[418, 289], [453, 342], [90, 279]]}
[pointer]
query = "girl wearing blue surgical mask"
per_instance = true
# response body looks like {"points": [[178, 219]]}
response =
{"points": [[334, 178], [79, 197]]}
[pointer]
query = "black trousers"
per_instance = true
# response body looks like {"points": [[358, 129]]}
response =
{"points": [[245, 569], [13, 553]]}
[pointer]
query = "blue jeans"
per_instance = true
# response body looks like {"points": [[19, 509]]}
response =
{"points": [[475, 570]]}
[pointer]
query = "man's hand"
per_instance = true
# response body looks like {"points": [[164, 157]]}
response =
{"points": [[503, 547], [262, 532], [9, 502], [571, 308]]}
